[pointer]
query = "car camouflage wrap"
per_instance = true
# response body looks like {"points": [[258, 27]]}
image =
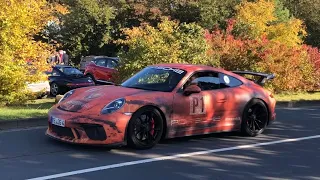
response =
{"points": [[215, 101]]}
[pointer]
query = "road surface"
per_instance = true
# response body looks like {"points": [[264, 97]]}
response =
{"points": [[289, 149]]}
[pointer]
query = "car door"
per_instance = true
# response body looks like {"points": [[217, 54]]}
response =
{"points": [[237, 97], [196, 113], [99, 71], [110, 69]]}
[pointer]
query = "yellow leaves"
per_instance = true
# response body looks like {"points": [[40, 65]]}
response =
{"points": [[260, 18], [20, 22], [257, 15], [289, 33]]}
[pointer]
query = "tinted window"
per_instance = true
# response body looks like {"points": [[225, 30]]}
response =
{"points": [[101, 62], [156, 79], [70, 71], [229, 81], [205, 80], [55, 73], [112, 64]]}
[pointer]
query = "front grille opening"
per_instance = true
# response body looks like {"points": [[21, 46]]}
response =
{"points": [[95, 131], [73, 109], [62, 131]]}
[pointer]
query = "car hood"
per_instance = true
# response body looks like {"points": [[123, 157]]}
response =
{"points": [[95, 98]]}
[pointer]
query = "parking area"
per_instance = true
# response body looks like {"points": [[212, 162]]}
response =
{"points": [[289, 149]]}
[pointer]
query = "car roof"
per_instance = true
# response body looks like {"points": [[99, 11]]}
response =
{"points": [[62, 66], [190, 67], [101, 56], [196, 67]]}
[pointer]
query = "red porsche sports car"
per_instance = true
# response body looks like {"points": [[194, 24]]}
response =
{"points": [[164, 101]]}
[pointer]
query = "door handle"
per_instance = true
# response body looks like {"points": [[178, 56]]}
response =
{"points": [[222, 100]]}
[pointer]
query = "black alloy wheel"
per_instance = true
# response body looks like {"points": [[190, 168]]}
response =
{"points": [[145, 128], [54, 89], [255, 118]]}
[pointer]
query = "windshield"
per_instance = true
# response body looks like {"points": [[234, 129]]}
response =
{"points": [[155, 79], [70, 71]]}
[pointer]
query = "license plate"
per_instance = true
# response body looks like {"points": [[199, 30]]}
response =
{"points": [[58, 122]]}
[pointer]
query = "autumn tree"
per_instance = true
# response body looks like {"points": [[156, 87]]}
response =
{"points": [[169, 42], [294, 66], [83, 28], [216, 12], [309, 12], [262, 17], [22, 58]]}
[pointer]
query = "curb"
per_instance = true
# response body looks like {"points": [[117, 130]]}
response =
{"points": [[292, 104], [23, 123]]}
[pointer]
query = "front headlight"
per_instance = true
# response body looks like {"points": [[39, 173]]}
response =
{"points": [[113, 106], [68, 94]]}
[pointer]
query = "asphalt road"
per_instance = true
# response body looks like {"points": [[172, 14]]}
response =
{"points": [[26, 154]]}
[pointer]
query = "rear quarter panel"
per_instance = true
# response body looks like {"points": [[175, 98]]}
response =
{"points": [[250, 91]]}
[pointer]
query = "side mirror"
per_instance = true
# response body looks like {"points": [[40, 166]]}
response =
{"points": [[191, 89]]}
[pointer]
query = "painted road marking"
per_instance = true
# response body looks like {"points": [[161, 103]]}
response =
{"points": [[71, 173]]}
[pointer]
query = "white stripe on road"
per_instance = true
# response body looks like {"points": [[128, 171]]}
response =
{"points": [[100, 168]]}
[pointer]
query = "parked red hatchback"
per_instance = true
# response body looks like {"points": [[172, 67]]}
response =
{"points": [[101, 70]]}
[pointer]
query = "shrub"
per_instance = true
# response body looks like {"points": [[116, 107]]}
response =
{"points": [[290, 63], [20, 21], [169, 42], [314, 59]]}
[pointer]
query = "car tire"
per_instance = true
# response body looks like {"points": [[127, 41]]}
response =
{"points": [[54, 89], [145, 128], [91, 77], [255, 118]]}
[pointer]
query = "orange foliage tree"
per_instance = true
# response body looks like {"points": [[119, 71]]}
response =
{"points": [[291, 64]]}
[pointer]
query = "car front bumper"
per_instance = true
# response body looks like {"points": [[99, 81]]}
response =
{"points": [[87, 128]]}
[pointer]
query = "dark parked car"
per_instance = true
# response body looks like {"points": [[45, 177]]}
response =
{"points": [[63, 78]]}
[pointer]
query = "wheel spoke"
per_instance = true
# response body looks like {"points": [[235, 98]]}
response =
{"points": [[252, 123], [151, 136], [257, 125], [253, 126], [146, 128]]}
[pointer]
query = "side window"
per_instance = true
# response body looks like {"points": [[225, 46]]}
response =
{"points": [[228, 81], [55, 73], [112, 64], [101, 62], [205, 80]]}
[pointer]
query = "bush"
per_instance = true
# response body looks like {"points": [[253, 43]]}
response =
{"points": [[291, 64], [169, 42], [20, 21]]}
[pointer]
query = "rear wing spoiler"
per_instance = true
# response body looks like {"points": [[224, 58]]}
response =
{"points": [[263, 77]]}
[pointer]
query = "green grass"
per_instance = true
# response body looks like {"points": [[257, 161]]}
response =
{"points": [[37, 109], [298, 96]]}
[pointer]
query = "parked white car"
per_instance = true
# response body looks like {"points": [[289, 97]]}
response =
{"points": [[41, 89]]}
